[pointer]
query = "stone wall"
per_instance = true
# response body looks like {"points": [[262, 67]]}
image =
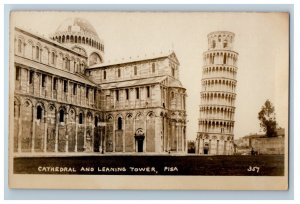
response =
{"points": [[134, 70], [271, 145]]}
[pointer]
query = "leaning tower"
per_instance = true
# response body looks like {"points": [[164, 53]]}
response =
{"points": [[216, 122]]}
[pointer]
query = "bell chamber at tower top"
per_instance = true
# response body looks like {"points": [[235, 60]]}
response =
{"points": [[220, 40]]}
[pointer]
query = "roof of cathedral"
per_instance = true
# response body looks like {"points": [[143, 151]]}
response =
{"points": [[175, 83], [136, 82], [47, 40], [42, 67], [79, 25], [133, 60]]}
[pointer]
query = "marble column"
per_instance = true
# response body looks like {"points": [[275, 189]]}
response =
{"points": [[123, 133], [20, 130], [45, 131], [170, 132], [84, 134], [177, 136], [56, 132], [52, 87], [66, 133], [104, 138], [165, 134], [145, 134], [40, 84], [76, 134], [182, 138], [93, 136], [114, 136], [134, 142], [33, 128]]}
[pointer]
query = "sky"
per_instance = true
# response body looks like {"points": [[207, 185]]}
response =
{"points": [[261, 39]]}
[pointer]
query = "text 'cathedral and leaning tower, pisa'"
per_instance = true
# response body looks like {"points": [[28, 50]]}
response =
{"points": [[217, 108]]}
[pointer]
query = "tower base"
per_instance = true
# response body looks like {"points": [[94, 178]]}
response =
{"points": [[214, 144]]}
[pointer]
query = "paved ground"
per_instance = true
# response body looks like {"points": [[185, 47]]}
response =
{"points": [[260, 165]]}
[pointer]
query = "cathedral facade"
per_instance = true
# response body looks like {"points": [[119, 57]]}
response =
{"points": [[67, 98]]}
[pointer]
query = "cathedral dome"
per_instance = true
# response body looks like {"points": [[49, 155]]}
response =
{"points": [[79, 26], [76, 31]]}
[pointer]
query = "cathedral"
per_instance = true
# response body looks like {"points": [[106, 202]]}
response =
{"points": [[69, 99]]}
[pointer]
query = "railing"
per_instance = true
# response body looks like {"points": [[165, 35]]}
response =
{"points": [[129, 104], [215, 102], [216, 117], [219, 88], [219, 74]]}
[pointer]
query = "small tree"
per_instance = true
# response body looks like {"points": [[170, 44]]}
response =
{"points": [[268, 119]]}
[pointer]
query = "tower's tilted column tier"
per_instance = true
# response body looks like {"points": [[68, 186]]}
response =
{"points": [[216, 122]]}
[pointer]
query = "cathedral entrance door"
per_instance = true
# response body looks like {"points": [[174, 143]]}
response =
{"points": [[139, 140], [97, 138], [140, 145], [205, 149]]}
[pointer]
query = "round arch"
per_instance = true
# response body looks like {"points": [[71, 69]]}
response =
{"points": [[95, 58]]}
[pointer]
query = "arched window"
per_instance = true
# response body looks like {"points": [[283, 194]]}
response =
{"points": [[87, 92], [61, 116], [225, 44], [95, 94], [153, 67], [65, 86], [96, 121], [127, 94], [119, 123], [55, 84], [119, 72], [104, 74], [172, 95], [19, 45], [117, 95], [39, 112], [31, 77], [37, 52], [148, 91], [18, 72], [53, 58], [43, 80], [74, 89], [135, 70], [173, 71], [213, 44], [80, 118], [67, 63], [224, 59], [137, 92]]}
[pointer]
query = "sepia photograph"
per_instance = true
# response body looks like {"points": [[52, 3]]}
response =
{"points": [[149, 100]]}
